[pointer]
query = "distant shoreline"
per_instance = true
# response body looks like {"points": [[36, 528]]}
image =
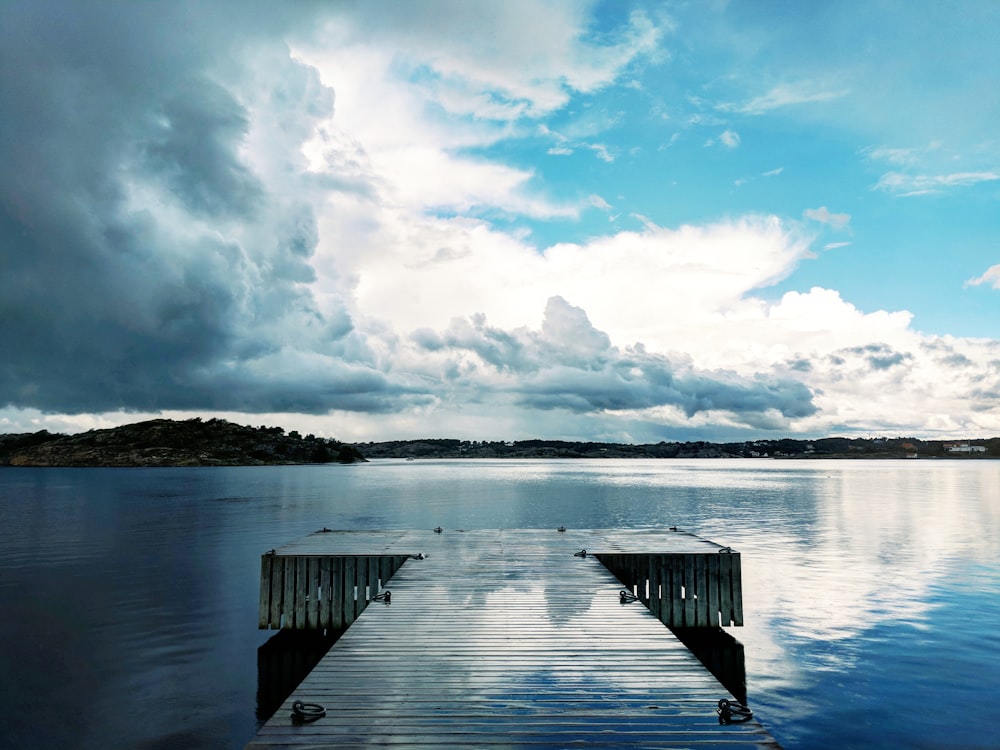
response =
{"points": [[834, 447], [216, 442]]}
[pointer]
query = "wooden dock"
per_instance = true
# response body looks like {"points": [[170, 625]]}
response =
{"points": [[506, 638]]}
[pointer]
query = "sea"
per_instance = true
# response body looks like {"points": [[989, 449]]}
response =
{"points": [[128, 597]]}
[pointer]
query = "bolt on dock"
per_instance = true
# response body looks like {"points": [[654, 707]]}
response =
{"points": [[515, 637]]}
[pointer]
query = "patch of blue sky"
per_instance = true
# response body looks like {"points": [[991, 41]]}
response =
{"points": [[914, 254]]}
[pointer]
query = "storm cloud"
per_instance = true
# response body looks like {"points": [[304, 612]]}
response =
{"points": [[568, 364], [149, 261]]}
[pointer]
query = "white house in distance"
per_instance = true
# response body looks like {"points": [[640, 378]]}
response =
{"points": [[964, 448]]}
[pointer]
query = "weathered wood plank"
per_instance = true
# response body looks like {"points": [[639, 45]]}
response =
{"points": [[288, 593], [712, 573], [737, 584], [347, 594], [677, 590], [386, 567], [277, 589], [700, 592], [264, 605], [653, 575], [301, 592], [725, 588], [373, 566], [689, 588], [312, 593], [325, 592], [337, 593]]}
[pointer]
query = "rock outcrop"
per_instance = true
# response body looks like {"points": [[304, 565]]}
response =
{"points": [[166, 442]]}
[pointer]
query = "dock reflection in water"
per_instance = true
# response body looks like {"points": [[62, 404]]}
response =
{"points": [[721, 654], [283, 662]]}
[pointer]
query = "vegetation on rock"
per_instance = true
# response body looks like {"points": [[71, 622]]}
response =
{"points": [[166, 442]]}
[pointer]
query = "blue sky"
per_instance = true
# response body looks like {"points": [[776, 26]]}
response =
{"points": [[632, 221]]}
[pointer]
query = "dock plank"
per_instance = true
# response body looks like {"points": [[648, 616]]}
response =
{"points": [[505, 638]]}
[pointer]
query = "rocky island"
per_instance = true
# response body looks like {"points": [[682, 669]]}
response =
{"points": [[166, 442]]}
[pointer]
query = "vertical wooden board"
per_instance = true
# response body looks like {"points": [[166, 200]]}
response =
{"points": [[365, 581], [612, 565], [372, 577], [383, 569], [666, 590], [618, 570], [347, 590], [726, 588], [301, 592], [712, 572], [337, 592], [605, 560], [325, 589], [663, 571], [312, 580], [264, 608], [361, 582], [288, 597], [677, 591], [687, 562], [701, 591], [737, 589], [277, 590], [653, 574], [387, 566]]}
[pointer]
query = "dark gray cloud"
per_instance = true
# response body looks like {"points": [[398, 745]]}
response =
{"points": [[945, 354], [146, 262], [799, 364], [879, 356], [957, 360], [192, 148], [570, 365]]}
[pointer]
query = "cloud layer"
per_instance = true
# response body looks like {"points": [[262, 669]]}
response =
{"points": [[300, 211]]}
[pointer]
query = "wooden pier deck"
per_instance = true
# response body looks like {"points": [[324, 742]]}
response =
{"points": [[506, 638]]}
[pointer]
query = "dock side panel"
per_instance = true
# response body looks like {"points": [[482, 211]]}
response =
{"points": [[683, 590]]}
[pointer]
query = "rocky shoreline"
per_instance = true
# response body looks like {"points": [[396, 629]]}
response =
{"points": [[166, 442]]}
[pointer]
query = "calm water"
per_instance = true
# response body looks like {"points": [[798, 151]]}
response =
{"points": [[871, 589]]}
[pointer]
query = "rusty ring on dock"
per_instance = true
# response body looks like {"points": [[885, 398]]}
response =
{"points": [[627, 597], [305, 712], [733, 712]]}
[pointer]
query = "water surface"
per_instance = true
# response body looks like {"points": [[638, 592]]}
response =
{"points": [[871, 588]]}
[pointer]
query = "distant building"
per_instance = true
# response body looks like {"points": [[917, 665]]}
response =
{"points": [[964, 448]]}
